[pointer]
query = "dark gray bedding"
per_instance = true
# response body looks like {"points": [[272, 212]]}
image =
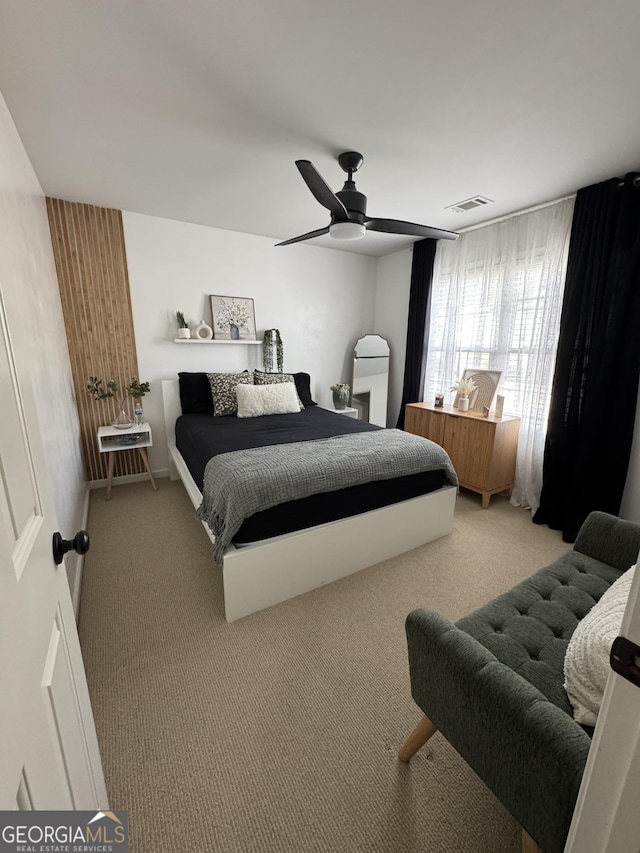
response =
{"points": [[238, 485], [200, 437]]}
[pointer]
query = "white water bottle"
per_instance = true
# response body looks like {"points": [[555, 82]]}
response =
{"points": [[138, 413]]}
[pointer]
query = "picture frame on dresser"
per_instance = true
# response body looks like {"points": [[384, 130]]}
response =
{"points": [[487, 383]]}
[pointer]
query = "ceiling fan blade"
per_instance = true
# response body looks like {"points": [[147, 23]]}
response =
{"points": [[308, 236], [321, 190], [399, 226]]}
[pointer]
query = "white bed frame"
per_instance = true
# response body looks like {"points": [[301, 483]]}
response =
{"points": [[260, 575]]}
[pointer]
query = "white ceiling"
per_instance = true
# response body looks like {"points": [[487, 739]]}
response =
{"points": [[197, 110]]}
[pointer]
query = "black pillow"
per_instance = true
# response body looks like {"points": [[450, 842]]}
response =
{"points": [[303, 387], [195, 394], [302, 382]]}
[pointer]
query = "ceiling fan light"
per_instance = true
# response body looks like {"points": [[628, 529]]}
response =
{"points": [[347, 230]]}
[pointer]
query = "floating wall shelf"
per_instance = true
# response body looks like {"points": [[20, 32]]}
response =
{"points": [[211, 341]]}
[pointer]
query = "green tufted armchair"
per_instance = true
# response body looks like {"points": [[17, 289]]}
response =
{"points": [[492, 683]]}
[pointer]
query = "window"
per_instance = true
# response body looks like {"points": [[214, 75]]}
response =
{"points": [[496, 301]]}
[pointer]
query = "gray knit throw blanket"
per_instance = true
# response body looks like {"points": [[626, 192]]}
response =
{"points": [[243, 482]]}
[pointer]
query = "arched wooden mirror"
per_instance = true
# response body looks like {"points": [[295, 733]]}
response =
{"points": [[370, 381]]}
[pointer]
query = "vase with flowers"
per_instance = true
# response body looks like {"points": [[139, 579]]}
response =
{"points": [[134, 390], [234, 316], [463, 389], [340, 392]]}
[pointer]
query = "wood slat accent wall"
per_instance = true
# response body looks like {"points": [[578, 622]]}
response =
{"points": [[91, 261]]}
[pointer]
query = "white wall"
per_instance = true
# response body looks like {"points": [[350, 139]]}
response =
{"points": [[30, 289], [393, 283], [322, 300]]}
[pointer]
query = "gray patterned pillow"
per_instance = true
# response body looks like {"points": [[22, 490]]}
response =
{"points": [[261, 378], [223, 391]]}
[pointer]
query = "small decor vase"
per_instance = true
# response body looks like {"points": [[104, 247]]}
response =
{"points": [[184, 334], [203, 332], [340, 398], [234, 333], [463, 403], [123, 419]]}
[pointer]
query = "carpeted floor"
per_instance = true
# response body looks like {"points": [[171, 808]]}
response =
{"points": [[279, 733]]}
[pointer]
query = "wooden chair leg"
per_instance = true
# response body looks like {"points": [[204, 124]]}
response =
{"points": [[528, 844], [417, 739]]}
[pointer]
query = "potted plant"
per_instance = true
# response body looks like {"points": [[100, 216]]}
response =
{"points": [[136, 390], [340, 393], [183, 327], [463, 388], [270, 341]]}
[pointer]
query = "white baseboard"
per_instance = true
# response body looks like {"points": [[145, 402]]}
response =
{"points": [[129, 478]]}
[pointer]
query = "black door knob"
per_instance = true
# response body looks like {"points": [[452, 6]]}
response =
{"points": [[80, 544]]}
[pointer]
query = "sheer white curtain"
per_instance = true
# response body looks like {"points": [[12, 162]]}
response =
{"points": [[495, 304]]}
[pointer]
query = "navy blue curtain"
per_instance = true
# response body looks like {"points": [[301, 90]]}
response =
{"points": [[595, 386], [415, 362]]}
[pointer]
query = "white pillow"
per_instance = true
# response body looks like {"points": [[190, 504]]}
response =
{"points": [[586, 663], [257, 400]]}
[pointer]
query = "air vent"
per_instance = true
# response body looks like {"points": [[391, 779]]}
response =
{"points": [[469, 204]]}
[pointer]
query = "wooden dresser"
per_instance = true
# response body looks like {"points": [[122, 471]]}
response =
{"points": [[483, 450]]}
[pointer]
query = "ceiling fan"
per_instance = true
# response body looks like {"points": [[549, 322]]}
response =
{"points": [[348, 208]]}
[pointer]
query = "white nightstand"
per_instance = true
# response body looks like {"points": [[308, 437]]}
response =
{"points": [[349, 412], [111, 439]]}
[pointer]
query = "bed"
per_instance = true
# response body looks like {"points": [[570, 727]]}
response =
{"points": [[297, 546]]}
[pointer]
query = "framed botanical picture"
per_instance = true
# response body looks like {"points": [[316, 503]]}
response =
{"points": [[233, 318], [486, 382]]}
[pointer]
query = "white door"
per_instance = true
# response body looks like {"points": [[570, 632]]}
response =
{"points": [[607, 817], [49, 757]]}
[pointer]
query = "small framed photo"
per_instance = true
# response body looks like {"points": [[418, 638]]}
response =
{"points": [[233, 318]]}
